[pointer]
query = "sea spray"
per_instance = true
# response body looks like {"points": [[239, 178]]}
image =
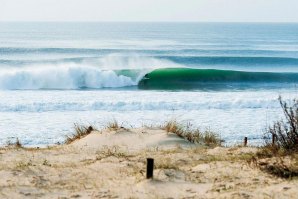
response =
{"points": [[62, 78]]}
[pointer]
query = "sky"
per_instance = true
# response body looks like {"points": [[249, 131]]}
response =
{"points": [[150, 10]]}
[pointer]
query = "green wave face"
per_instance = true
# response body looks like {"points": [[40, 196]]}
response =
{"points": [[132, 73], [187, 78]]}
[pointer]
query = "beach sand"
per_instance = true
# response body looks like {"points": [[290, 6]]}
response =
{"points": [[112, 164]]}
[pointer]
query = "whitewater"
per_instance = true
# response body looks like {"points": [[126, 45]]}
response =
{"points": [[220, 76]]}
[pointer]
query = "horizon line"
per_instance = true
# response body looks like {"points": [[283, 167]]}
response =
{"points": [[49, 21]]}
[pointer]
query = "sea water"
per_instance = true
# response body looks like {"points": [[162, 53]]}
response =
{"points": [[225, 77]]}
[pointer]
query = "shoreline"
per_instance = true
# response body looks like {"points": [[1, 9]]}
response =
{"points": [[112, 164], [248, 114]]}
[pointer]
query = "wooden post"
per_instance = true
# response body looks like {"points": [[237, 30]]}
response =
{"points": [[273, 139], [150, 167], [245, 141]]}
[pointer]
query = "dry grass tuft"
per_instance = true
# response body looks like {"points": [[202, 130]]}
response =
{"points": [[281, 170], [113, 125], [279, 166], [210, 138], [191, 134], [16, 144], [174, 127], [112, 152], [166, 163], [80, 132], [269, 151]]}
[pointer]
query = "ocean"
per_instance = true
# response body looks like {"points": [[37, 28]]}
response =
{"points": [[225, 77]]}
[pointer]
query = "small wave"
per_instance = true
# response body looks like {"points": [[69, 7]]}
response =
{"points": [[232, 60], [168, 50], [16, 50]]}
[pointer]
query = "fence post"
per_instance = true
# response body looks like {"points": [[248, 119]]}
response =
{"points": [[273, 139], [150, 167], [245, 141]]}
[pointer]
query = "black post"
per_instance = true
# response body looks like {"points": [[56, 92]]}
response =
{"points": [[273, 138], [245, 141], [150, 166]]}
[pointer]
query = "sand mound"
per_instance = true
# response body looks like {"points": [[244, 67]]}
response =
{"points": [[132, 139]]}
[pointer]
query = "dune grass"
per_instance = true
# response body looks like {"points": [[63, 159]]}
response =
{"points": [[113, 125], [16, 144], [80, 132], [193, 135]]}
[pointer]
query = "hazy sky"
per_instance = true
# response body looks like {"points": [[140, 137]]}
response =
{"points": [[150, 10]]}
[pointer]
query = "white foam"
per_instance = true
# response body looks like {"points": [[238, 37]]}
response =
{"points": [[135, 105], [67, 77], [38, 101], [131, 61], [95, 74]]}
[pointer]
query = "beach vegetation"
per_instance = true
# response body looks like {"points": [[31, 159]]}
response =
{"points": [[279, 155], [282, 137], [166, 163], [112, 152], [281, 169], [191, 134], [113, 125], [23, 165], [46, 163], [16, 144], [80, 132]]}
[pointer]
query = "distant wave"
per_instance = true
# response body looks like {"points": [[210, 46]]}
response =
{"points": [[232, 60], [149, 51], [185, 60], [15, 50]]}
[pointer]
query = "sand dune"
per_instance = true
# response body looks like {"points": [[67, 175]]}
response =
{"points": [[112, 164]]}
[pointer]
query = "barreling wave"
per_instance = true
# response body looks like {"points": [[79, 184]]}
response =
{"points": [[106, 72], [67, 77], [188, 78]]}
